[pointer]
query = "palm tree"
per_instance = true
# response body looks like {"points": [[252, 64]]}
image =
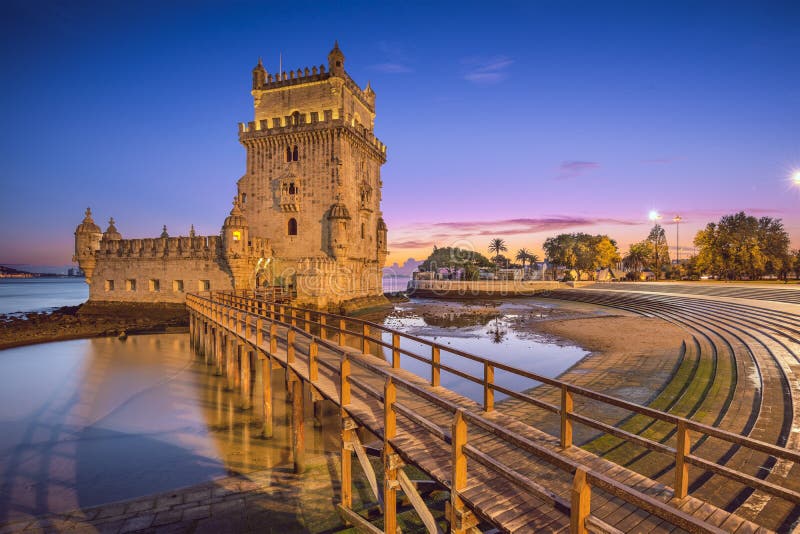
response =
{"points": [[637, 257], [497, 246], [523, 255]]}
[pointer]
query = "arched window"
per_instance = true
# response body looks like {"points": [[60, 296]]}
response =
{"points": [[292, 226], [292, 188], [294, 154], [362, 231], [288, 154]]}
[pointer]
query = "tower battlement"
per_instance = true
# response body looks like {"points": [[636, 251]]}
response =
{"points": [[298, 122]]}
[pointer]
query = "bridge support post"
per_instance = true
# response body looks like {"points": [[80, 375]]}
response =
{"points": [[229, 366], [245, 377], [347, 435], [580, 503], [266, 391], [218, 353], [456, 511], [237, 364], [298, 426], [391, 462]]}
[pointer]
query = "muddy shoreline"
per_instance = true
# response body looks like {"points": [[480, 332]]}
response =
{"points": [[91, 319]]}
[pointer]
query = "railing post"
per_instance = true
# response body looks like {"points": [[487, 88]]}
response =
{"points": [[323, 333], [259, 331], [580, 503], [342, 335], [566, 424], [307, 321], [395, 351], [389, 458], [488, 382], [344, 374], [313, 367], [290, 337], [294, 317], [682, 449], [435, 371], [364, 341], [457, 509]]}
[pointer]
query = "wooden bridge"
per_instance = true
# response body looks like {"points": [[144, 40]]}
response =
{"points": [[501, 471]]}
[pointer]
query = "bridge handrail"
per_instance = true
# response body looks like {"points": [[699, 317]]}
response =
{"points": [[683, 456]]}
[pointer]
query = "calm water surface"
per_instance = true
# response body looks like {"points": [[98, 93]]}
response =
{"points": [[88, 422], [40, 294]]}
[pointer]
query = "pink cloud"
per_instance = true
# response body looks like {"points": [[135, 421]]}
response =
{"points": [[573, 169]]}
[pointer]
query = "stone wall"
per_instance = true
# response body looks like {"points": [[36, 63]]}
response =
{"points": [[170, 273]]}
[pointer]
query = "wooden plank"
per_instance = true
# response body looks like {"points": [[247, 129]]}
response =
{"points": [[366, 466], [358, 522]]}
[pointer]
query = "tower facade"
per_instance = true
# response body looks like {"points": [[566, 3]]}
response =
{"points": [[312, 182]]}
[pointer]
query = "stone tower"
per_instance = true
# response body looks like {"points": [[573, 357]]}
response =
{"points": [[312, 183]]}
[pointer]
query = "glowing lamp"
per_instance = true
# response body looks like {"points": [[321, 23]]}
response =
{"points": [[237, 235], [654, 215]]}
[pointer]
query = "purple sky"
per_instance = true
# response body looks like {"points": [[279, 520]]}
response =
{"points": [[513, 120]]}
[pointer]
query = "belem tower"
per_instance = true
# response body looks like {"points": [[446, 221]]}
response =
{"points": [[306, 214]]}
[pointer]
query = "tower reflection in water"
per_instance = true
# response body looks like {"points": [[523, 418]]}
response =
{"points": [[87, 422]]}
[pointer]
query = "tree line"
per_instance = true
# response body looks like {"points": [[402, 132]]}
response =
{"points": [[737, 247]]}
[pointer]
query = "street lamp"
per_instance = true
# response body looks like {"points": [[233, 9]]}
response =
{"points": [[677, 220]]}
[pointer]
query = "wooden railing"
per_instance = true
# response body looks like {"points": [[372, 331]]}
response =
{"points": [[319, 327]]}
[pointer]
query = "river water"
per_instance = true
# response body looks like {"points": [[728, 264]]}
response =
{"points": [[40, 294], [93, 421]]}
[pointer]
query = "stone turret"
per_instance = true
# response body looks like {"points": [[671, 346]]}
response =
{"points": [[336, 61], [235, 249], [111, 233], [338, 219], [87, 241], [259, 75], [382, 242]]}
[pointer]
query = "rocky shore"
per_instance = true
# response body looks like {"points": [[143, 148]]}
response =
{"points": [[91, 319]]}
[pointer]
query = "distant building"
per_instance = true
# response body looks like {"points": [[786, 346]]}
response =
{"points": [[306, 214]]}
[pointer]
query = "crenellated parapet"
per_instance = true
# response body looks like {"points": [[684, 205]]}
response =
{"points": [[269, 82], [207, 247], [298, 123]]}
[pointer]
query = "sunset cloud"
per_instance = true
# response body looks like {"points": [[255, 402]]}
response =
{"points": [[452, 232], [574, 169]]}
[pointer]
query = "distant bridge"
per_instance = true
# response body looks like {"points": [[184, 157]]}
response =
{"points": [[503, 472]]}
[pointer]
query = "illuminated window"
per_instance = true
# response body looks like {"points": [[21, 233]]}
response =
{"points": [[292, 226], [155, 284], [237, 235], [130, 284], [109, 285], [177, 286]]}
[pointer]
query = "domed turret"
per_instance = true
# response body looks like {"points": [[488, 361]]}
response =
{"points": [[259, 75], [235, 232], [164, 233], [338, 219], [111, 233], [336, 61], [87, 241]]}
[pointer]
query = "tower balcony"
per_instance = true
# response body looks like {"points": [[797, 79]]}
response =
{"points": [[289, 202]]}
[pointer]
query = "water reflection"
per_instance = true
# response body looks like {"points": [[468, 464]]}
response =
{"points": [[484, 330], [87, 422]]}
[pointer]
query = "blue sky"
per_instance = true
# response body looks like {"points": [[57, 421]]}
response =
{"points": [[503, 119]]}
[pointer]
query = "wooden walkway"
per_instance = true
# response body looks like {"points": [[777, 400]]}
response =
{"points": [[499, 471]]}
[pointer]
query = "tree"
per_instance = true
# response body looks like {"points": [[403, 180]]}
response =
{"points": [[741, 246], [796, 263], [523, 255], [497, 246], [456, 258], [637, 258], [659, 249], [582, 252]]}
